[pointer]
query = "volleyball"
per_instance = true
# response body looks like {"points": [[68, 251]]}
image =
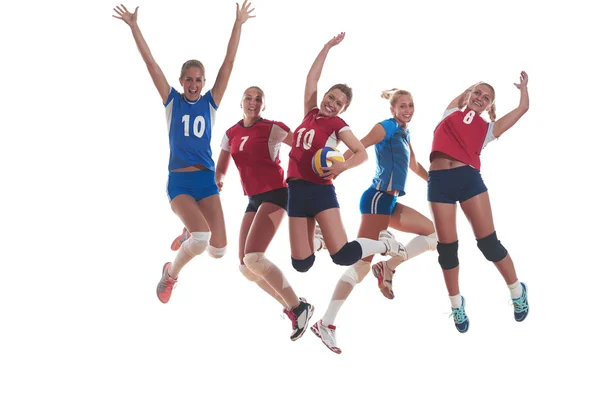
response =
{"points": [[320, 160]]}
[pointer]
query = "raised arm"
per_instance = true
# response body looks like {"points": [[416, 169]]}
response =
{"points": [[416, 166], [506, 122], [355, 146], [242, 15], [160, 82], [312, 79], [376, 135]]}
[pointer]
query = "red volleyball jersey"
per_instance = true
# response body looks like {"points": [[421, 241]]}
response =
{"points": [[315, 132], [462, 135], [255, 151]]}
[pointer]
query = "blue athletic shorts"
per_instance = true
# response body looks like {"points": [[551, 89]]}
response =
{"points": [[306, 199], [278, 197], [456, 184], [198, 184], [375, 201]]}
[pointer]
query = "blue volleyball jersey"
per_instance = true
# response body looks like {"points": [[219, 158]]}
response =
{"points": [[190, 130], [393, 157]]}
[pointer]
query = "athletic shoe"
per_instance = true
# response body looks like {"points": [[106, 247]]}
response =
{"points": [[327, 335], [521, 305], [319, 237], [300, 317], [180, 239], [461, 321], [393, 247], [384, 277], [166, 284]]}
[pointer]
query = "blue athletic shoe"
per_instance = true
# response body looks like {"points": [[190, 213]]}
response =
{"points": [[521, 305], [461, 321]]}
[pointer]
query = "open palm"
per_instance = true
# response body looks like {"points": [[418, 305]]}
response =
{"points": [[243, 13], [124, 14]]}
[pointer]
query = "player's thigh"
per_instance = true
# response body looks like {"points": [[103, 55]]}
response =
{"points": [[334, 233], [263, 229], [302, 233], [370, 226], [407, 219], [444, 221], [478, 211], [185, 207], [212, 211], [244, 229]]}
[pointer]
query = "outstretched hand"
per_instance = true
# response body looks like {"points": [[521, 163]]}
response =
{"points": [[337, 39], [124, 14], [524, 80], [243, 12]]}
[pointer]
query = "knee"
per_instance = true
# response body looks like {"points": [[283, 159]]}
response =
{"points": [[216, 252], [432, 241], [491, 248], [196, 243], [356, 273], [303, 265], [349, 254], [257, 263], [448, 255], [251, 276]]}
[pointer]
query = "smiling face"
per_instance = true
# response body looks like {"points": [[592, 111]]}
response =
{"points": [[253, 103], [481, 98], [403, 108], [334, 103], [192, 80]]}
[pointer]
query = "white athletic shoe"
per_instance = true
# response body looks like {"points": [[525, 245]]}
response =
{"points": [[319, 237], [393, 247], [327, 335]]}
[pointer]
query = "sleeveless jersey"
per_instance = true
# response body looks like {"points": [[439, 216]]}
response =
{"points": [[315, 132], [393, 157], [190, 130], [255, 151], [462, 135]]}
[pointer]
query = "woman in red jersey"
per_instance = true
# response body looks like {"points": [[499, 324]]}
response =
{"points": [[454, 176], [313, 198], [254, 144]]}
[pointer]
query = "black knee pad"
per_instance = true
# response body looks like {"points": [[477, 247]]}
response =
{"points": [[448, 255], [349, 254], [491, 248], [303, 265]]}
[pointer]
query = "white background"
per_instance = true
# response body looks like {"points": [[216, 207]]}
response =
{"points": [[86, 225]]}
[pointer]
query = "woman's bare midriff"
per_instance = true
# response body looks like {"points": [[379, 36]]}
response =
{"points": [[191, 168], [441, 161]]}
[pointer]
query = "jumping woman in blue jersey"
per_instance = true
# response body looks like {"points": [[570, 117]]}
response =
{"points": [[191, 187], [380, 209]]}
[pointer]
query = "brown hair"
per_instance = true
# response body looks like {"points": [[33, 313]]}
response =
{"points": [[189, 64], [393, 94], [347, 90]]}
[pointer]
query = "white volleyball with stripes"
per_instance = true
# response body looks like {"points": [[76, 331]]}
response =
{"points": [[320, 160]]}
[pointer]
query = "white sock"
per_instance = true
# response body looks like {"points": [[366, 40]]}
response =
{"points": [[456, 301], [331, 313], [515, 290], [420, 244], [370, 247]]}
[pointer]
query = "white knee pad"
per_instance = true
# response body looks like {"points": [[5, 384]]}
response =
{"points": [[216, 252], [196, 243], [432, 241], [257, 263], [251, 276], [356, 273]]}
